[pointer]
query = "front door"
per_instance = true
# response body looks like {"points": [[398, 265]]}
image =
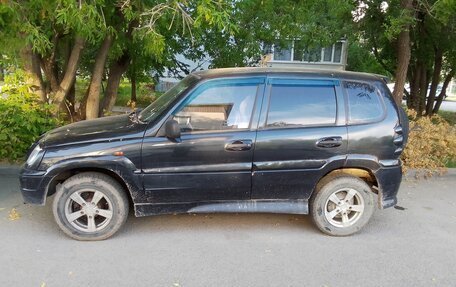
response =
{"points": [[213, 159], [302, 132]]}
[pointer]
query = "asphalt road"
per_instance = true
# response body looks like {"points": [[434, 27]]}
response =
{"points": [[449, 106], [410, 246]]}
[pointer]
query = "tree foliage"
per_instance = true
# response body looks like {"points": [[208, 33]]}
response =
{"points": [[23, 118], [68, 38], [432, 29], [105, 41], [263, 23], [361, 59]]}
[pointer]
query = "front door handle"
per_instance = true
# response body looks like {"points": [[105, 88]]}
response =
{"points": [[329, 142], [239, 145]]}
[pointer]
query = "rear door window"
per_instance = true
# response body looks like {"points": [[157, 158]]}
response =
{"points": [[364, 103], [299, 104]]}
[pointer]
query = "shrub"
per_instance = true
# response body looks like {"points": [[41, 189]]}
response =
{"points": [[22, 118], [431, 145]]}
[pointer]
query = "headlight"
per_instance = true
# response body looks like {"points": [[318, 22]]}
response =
{"points": [[35, 157]]}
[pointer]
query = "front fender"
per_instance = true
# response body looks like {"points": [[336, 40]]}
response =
{"points": [[37, 185]]}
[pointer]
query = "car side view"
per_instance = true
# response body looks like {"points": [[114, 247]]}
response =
{"points": [[264, 140]]}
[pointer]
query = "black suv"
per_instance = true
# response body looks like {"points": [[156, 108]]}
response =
{"points": [[230, 140]]}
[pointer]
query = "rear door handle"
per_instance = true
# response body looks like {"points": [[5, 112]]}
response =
{"points": [[239, 145], [329, 142]]}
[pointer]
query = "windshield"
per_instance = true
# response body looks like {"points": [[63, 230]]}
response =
{"points": [[160, 104]]}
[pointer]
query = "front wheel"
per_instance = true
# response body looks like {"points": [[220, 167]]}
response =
{"points": [[342, 206], [90, 206]]}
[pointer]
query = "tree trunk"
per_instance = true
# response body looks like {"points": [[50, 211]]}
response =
{"points": [[415, 87], [133, 88], [49, 65], [403, 54], [71, 101], [117, 69], [435, 81], [50, 72], [442, 94], [70, 71], [32, 69], [94, 89], [423, 90], [2, 73]]}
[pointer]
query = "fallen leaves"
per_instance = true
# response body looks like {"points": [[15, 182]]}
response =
{"points": [[14, 215], [432, 143]]}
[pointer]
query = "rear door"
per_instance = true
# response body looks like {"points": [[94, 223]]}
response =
{"points": [[301, 133]]}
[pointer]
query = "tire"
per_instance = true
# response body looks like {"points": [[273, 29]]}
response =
{"points": [[80, 217], [329, 203]]}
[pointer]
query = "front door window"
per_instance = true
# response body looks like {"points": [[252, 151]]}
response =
{"points": [[218, 108]]}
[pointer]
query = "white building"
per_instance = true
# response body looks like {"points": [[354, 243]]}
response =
{"points": [[296, 55]]}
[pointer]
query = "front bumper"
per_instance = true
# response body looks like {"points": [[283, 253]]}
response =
{"points": [[34, 185], [389, 181]]}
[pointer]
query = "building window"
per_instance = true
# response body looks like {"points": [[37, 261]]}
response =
{"points": [[267, 49], [328, 54], [301, 53], [298, 52], [312, 55], [298, 48], [337, 52], [283, 53]]}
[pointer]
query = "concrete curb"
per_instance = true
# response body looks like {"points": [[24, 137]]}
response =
{"points": [[9, 169], [423, 174]]}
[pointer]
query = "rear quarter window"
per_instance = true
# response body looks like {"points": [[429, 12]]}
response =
{"points": [[364, 103]]}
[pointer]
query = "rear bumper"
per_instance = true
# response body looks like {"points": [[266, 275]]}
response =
{"points": [[33, 186], [389, 181]]}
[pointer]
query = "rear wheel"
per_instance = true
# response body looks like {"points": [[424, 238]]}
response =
{"points": [[342, 206], [90, 206]]}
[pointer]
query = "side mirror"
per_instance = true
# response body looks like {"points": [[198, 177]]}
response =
{"points": [[172, 130]]}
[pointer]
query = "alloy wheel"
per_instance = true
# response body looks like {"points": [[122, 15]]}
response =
{"points": [[88, 210], [344, 207]]}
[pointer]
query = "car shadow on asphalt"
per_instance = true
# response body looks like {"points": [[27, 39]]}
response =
{"points": [[42, 219], [244, 222]]}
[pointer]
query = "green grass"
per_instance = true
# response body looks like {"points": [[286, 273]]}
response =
{"points": [[124, 94], [81, 88], [450, 117], [451, 163]]}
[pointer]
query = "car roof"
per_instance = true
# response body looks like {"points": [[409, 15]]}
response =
{"points": [[300, 72]]}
